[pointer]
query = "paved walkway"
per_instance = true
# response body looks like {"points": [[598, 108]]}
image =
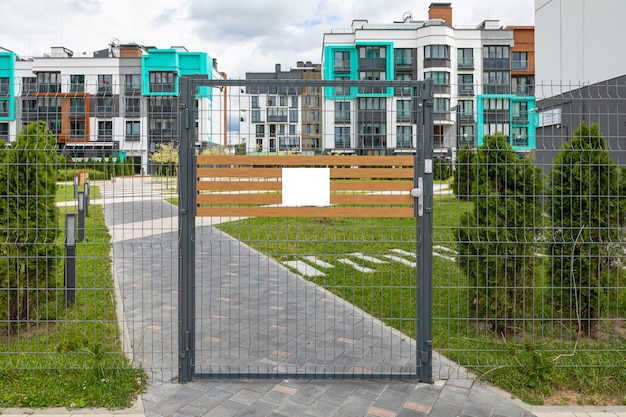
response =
{"points": [[144, 232]]}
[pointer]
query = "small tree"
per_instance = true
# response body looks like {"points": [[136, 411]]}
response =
{"points": [[497, 242], [28, 222], [464, 174], [166, 158], [586, 210]]}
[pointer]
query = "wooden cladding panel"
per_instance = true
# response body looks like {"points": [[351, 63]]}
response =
{"points": [[250, 186]]}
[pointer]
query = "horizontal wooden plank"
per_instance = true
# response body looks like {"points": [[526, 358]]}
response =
{"points": [[371, 185], [239, 185], [371, 199], [383, 173], [302, 160], [239, 172], [246, 198], [380, 212]]}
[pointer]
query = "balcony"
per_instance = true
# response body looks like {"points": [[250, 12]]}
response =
{"points": [[521, 65], [372, 64], [104, 111], [466, 89], [342, 66], [496, 64]]}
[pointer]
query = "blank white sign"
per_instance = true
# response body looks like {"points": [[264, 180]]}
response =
{"points": [[306, 187]]}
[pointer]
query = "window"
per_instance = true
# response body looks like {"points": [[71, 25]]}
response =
{"points": [[77, 83], [342, 61], [294, 102], [466, 84], [272, 101], [342, 137], [133, 130], [437, 52], [372, 103], [161, 82], [341, 90], [404, 91], [132, 84], [403, 108], [404, 136], [255, 116], [29, 85], [342, 112], [286, 143], [105, 130], [496, 58], [404, 57], [260, 131], [496, 82], [276, 114], [519, 136], [466, 110], [438, 77], [4, 132], [4, 86], [523, 85], [77, 107], [466, 135], [371, 76], [371, 52], [105, 83], [104, 107], [162, 128], [49, 82], [496, 104], [498, 51], [373, 135], [441, 104], [293, 116], [4, 108], [519, 61], [312, 101], [161, 105], [465, 58], [133, 107], [292, 129], [254, 102], [312, 116], [77, 129], [281, 101]]}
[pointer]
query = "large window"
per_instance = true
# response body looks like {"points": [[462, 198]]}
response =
{"points": [[403, 108], [465, 58], [77, 107], [105, 83], [441, 104], [404, 57], [77, 129], [342, 137], [466, 110], [496, 57], [49, 82], [342, 112], [4, 132], [404, 136], [466, 135], [438, 77], [132, 84], [372, 103], [161, 81], [466, 84], [342, 61], [341, 90], [104, 107], [29, 85], [371, 76], [105, 130], [77, 83], [496, 82], [133, 130], [519, 61], [133, 107], [437, 52], [4, 108], [403, 91], [4, 86]]}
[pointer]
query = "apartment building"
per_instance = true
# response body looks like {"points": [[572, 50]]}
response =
{"points": [[282, 117], [121, 101], [478, 89]]}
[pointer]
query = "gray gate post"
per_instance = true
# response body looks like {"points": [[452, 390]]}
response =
{"points": [[186, 225], [424, 214]]}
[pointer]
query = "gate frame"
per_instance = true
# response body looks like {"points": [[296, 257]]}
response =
{"points": [[423, 212]]}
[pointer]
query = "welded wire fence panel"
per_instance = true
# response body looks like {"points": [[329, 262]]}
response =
{"points": [[324, 285], [89, 241], [528, 238]]}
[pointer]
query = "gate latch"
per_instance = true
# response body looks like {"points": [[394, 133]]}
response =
{"points": [[419, 194]]}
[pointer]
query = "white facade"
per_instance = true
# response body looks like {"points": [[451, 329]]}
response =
{"points": [[576, 43]]}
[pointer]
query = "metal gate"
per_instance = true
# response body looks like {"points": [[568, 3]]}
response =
{"points": [[305, 266]]}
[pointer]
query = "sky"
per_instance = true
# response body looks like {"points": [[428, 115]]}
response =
{"points": [[243, 35]]}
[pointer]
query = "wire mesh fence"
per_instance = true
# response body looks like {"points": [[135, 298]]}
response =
{"points": [[527, 239]]}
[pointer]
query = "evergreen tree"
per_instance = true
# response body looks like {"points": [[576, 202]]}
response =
{"points": [[28, 222], [586, 216], [497, 238], [464, 175]]}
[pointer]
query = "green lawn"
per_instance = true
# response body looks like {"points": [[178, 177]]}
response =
{"points": [[536, 365], [72, 357]]}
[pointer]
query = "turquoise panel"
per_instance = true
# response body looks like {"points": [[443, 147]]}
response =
{"points": [[7, 70]]}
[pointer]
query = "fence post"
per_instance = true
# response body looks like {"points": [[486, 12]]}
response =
{"points": [[87, 197], [70, 258], [186, 222], [424, 214], [81, 216]]}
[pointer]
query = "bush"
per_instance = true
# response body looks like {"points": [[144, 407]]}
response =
{"points": [[28, 226], [496, 238], [585, 209], [442, 168]]}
